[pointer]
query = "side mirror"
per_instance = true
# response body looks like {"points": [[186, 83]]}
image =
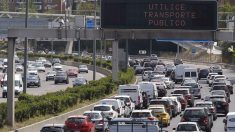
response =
{"points": [[173, 129], [224, 120], [181, 115]]}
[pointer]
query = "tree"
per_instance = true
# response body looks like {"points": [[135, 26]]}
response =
{"points": [[4, 5], [32, 7], [227, 7]]}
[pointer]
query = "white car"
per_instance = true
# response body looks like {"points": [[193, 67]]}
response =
{"points": [[32, 71], [42, 59], [176, 101], [57, 67], [127, 99], [82, 68], [108, 110], [169, 83], [50, 75], [19, 67], [160, 85], [144, 115], [116, 103], [40, 67], [187, 127], [209, 75]]}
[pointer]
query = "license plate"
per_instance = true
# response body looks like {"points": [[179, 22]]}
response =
{"points": [[194, 119]]}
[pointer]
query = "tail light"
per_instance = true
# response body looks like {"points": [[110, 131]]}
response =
{"points": [[150, 118], [138, 99], [101, 122], [111, 113], [225, 103], [205, 120]]}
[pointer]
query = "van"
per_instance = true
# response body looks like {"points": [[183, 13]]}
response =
{"points": [[229, 122], [116, 103], [191, 73], [150, 88], [179, 71], [134, 92], [18, 85]]}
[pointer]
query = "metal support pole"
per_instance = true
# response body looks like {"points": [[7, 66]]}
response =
{"points": [[79, 47], [101, 51], [115, 60], [94, 59], [11, 82], [127, 54], [178, 50], [150, 46], [233, 28], [26, 48]]}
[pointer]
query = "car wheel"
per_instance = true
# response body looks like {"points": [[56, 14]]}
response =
{"points": [[87, 72], [46, 79], [55, 82], [3, 95], [208, 130]]}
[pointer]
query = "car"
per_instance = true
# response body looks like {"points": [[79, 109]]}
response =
{"points": [[127, 99], [54, 128], [146, 75], [211, 80], [169, 69], [187, 127], [108, 110], [72, 72], [195, 89], [229, 122], [40, 67], [182, 100], [176, 103], [144, 114], [33, 80], [80, 123], [177, 61], [220, 92], [50, 75], [222, 87], [139, 70], [199, 115], [203, 73], [42, 59], [57, 67], [32, 71], [55, 60], [79, 81], [98, 117], [223, 81], [188, 80], [61, 77], [161, 114], [82, 68], [209, 75], [164, 102], [169, 83], [221, 104], [116, 103], [210, 105], [216, 69], [187, 95], [47, 64], [19, 67]]}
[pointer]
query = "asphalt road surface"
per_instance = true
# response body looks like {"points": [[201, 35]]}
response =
{"points": [[49, 86]]}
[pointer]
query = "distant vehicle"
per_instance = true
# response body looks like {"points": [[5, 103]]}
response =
{"points": [[80, 123], [179, 72], [32, 71], [82, 68], [139, 70], [229, 122], [209, 75], [50, 75], [57, 67], [187, 95], [203, 73], [190, 73], [134, 92], [187, 127], [195, 89], [79, 81], [177, 61], [182, 100], [47, 64], [33, 80], [72, 72], [55, 60], [61, 77], [19, 67], [164, 102], [210, 106], [216, 69], [144, 114], [116, 103], [169, 83], [146, 75], [222, 106], [150, 88], [54, 128], [98, 117], [18, 85], [108, 110], [40, 67], [127, 99], [160, 112]]}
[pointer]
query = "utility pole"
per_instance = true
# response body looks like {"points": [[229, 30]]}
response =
{"points": [[94, 45], [26, 47]]}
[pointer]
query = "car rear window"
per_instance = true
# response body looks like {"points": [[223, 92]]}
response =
{"points": [[203, 105], [186, 127], [77, 120], [140, 114], [128, 90], [187, 74], [158, 102], [102, 108], [93, 115], [52, 129], [219, 87], [180, 92], [193, 74], [217, 98], [194, 113]]}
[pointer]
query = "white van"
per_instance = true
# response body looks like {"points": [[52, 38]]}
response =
{"points": [[116, 103], [179, 72], [229, 122], [134, 92], [18, 85], [191, 73], [150, 88]]}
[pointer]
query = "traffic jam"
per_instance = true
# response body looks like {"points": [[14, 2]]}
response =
{"points": [[164, 91]]}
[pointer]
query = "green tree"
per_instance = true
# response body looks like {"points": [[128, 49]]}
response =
{"points": [[32, 7], [4, 5], [227, 7]]}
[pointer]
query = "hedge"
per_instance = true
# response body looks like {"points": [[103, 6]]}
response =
{"points": [[29, 106]]}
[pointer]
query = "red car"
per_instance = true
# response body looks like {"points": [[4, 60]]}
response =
{"points": [[80, 123], [72, 72]]}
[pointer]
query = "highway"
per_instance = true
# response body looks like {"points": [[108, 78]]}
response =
{"points": [[49, 86], [218, 124]]}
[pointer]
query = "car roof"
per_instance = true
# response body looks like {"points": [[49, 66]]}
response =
{"points": [[74, 116], [145, 110], [103, 105], [231, 113], [125, 96], [204, 102], [93, 111], [180, 123], [58, 125], [194, 108], [153, 106]]}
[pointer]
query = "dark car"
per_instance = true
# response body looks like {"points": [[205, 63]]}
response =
{"points": [[210, 106], [33, 80], [187, 95], [164, 102], [139, 70], [199, 115], [222, 87], [61, 77], [169, 69], [195, 89], [203, 73], [145, 100], [222, 106], [54, 128], [161, 92], [79, 81]]}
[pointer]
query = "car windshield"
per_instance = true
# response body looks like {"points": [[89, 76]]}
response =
{"points": [[158, 102], [123, 99], [194, 113], [180, 92], [203, 105], [216, 98], [186, 127], [17, 83], [77, 120], [193, 85], [60, 74], [80, 80], [140, 114], [30, 77], [102, 108], [219, 87], [157, 110], [32, 69], [217, 93], [50, 73], [82, 66], [93, 115], [52, 129]]}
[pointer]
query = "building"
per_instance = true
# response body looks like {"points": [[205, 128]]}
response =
{"points": [[41, 6]]}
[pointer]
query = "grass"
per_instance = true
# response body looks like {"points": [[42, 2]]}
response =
{"points": [[41, 118]]}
